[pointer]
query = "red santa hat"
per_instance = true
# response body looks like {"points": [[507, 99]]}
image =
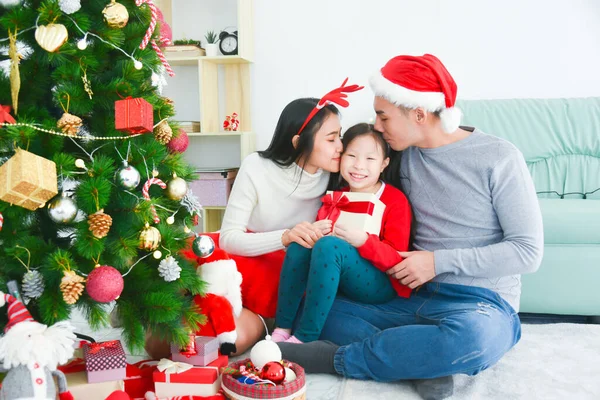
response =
{"points": [[16, 311], [420, 81]]}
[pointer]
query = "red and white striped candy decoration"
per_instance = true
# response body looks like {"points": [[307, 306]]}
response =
{"points": [[1, 221], [146, 188], [162, 57], [150, 31], [153, 19]]}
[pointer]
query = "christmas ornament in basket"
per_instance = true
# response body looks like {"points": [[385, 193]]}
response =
{"points": [[236, 390]]}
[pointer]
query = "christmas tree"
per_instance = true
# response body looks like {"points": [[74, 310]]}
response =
{"points": [[95, 206]]}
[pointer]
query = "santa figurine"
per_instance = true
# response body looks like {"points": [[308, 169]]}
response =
{"points": [[227, 123], [234, 122], [222, 300], [31, 352]]}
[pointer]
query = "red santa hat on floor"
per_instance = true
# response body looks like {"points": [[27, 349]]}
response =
{"points": [[16, 311], [420, 81]]}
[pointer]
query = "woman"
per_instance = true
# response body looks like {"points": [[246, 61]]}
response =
{"points": [[273, 203]]}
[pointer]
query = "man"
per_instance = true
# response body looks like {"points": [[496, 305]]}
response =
{"points": [[478, 227]]}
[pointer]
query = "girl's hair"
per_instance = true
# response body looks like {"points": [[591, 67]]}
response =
{"points": [[363, 129], [281, 150]]}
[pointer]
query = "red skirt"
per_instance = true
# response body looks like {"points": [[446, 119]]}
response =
{"points": [[260, 279]]}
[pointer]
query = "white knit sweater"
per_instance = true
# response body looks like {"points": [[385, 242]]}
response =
{"points": [[268, 199]]}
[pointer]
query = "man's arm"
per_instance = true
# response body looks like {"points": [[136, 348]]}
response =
{"points": [[518, 211]]}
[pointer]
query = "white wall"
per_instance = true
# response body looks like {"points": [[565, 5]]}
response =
{"points": [[494, 49]]}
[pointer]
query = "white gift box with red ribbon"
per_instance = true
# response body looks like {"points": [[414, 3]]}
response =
{"points": [[361, 211]]}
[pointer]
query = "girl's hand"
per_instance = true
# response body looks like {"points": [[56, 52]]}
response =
{"points": [[305, 234], [353, 236], [325, 226]]}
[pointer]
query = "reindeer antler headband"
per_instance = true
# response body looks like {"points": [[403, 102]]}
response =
{"points": [[337, 96]]}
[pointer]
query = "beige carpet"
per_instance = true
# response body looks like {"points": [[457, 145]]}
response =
{"points": [[554, 361]]}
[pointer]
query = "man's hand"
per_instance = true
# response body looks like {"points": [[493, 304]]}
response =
{"points": [[305, 234], [417, 268], [353, 236]]}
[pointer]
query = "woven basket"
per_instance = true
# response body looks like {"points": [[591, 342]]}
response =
{"points": [[294, 390]]}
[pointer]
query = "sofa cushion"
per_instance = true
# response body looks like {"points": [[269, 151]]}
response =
{"points": [[571, 221]]}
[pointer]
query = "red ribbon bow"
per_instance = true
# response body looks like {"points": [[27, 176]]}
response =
{"points": [[96, 347], [334, 204], [5, 115]]}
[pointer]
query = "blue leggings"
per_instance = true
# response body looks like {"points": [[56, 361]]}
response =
{"points": [[332, 265]]}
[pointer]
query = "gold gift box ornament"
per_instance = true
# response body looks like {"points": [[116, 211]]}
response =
{"points": [[28, 180]]}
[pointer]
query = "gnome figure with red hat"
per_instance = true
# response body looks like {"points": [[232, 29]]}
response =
{"points": [[31, 351], [222, 299]]}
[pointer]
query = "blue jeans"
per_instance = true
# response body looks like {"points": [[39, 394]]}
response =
{"points": [[441, 330]]}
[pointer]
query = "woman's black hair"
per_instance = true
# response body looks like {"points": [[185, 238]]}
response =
{"points": [[281, 150], [336, 181]]}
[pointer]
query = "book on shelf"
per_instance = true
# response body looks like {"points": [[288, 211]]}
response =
{"points": [[184, 50], [189, 126]]}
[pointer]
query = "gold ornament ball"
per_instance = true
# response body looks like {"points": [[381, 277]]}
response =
{"points": [[176, 188], [115, 15], [149, 238]]}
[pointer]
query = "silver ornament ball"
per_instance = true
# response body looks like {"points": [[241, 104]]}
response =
{"points": [[176, 188], [203, 246], [128, 177], [62, 209]]}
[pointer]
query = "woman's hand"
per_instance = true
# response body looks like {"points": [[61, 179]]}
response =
{"points": [[325, 226], [305, 234], [353, 236]]}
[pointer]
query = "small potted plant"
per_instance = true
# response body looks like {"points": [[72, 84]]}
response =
{"points": [[212, 48]]}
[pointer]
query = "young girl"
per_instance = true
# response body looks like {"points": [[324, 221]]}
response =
{"points": [[350, 262]]}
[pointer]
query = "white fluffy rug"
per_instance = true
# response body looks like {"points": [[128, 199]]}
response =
{"points": [[552, 361]]}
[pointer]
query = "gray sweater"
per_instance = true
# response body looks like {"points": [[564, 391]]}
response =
{"points": [[476, 208]]}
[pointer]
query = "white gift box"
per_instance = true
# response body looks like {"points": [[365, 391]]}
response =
{"points": [[361, 211]]}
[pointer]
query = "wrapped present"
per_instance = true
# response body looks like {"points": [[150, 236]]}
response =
{"points": [[104, 361], [134, 115], [362, 211], [80, 388], [139, 378], [181, 379], [236, 390], [221, 362], [28, 180], [207, 351]]}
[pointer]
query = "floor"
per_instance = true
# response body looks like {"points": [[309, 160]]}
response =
{"points": [[557, 358]]}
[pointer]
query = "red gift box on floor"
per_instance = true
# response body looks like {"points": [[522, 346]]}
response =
{"points": [[104, 361], [207, 348], [134, 115], [139, 379], [180, 379]]}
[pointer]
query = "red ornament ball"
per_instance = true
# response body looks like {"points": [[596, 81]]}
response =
{"points": [[274, 372], [180, 143], [104, 284]]}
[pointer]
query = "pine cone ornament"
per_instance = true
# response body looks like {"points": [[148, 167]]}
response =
{"points": [[100, 224], [163, 132], [169, 269], [71, 286], [32, 285], [69, 124]]}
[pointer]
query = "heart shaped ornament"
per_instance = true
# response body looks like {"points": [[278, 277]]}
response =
{"points": [[51, 37]]}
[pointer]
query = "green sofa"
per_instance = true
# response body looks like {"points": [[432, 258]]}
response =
{"points": [[560, 139]]}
